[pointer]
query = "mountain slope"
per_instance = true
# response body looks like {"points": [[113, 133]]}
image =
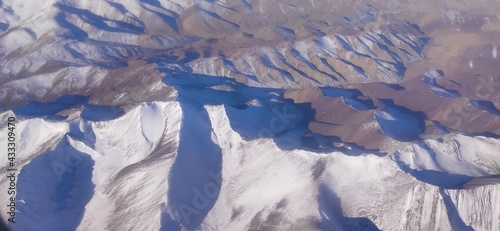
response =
{"points": [[252, 115]]}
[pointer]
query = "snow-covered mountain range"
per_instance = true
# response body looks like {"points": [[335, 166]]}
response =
{"points": [[252, 114]]}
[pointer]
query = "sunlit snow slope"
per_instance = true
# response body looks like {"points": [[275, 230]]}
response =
{"points": [[252, 115]]}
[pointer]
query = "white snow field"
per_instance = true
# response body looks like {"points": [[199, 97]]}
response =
{"points": [[251, 115], [124, 181]]}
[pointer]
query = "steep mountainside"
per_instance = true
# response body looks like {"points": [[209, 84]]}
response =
{"points": [[252, 114]]}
